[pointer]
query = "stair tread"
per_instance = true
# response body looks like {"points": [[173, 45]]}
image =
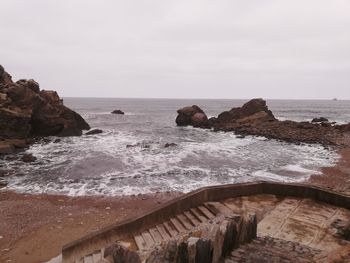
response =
{"points": [[192, 218], [179, 227], [206, 212], [217, 207], [96, 256], [198, 215], [171, 230], [88, 259], [148, 239], [155, 235], [163, 232], [185, 222], [140, 242]]}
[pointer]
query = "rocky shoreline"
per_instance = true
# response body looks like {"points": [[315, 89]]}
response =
{"points": [[254, 118], [28, 112]]}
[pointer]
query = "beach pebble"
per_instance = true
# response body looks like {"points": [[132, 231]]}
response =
{"points": [[107, 208], [1, 237]]}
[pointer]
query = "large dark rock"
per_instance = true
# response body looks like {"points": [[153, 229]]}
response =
{"points": [[25, 111], [249, 109], [192, 115]]}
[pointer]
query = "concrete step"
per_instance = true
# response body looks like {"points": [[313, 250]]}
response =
{"points": [[170, 229], [218, 208], [140, 242], [88, 259], [198, 215], [163, 232], [194, 221], [179, 227], [148, 239], [184, 221], [156, 235], [206, 212], [97, 256]]}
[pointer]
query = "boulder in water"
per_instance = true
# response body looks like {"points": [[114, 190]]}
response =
{"points": [[118, 112], [192, 115]]}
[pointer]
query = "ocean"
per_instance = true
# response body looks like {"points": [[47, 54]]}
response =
{"points": [[129, 157]]}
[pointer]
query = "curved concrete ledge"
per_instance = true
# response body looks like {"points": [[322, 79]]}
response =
{"points": [[90, 243]]}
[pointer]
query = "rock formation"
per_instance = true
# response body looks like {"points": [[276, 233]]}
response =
{"points": [[193, 116], [254, 118], [253, 110], [27, 112]]}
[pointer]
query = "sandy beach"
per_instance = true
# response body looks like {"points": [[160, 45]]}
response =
{"points": [[33, 228]]}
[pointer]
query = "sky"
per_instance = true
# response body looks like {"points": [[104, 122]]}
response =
{"points": [[278, 49]]}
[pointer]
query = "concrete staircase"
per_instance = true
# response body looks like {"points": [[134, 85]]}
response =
{"points": [[174, 227], [171, 228]]}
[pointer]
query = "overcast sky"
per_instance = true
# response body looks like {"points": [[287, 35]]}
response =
{"points": [[181, 48]]}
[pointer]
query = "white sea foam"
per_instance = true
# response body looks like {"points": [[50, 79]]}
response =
{"points": [[102, 164]]}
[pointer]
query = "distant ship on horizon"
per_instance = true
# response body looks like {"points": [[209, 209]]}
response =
{"points": [[335, 99]]}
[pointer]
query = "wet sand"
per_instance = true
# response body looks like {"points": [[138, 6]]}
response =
{"points": [[336, 178], [33, 228]]}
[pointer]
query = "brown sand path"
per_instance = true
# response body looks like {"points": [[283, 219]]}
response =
{"points": [[33, 228]]}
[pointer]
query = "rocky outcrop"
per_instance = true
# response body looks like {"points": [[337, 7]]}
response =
{"points": [[26, 111], [192, 115], [254, 118]]}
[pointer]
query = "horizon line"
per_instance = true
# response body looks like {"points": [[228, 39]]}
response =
{"points": [[165, 98]]}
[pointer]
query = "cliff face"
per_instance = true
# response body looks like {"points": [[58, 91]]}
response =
{"points": [[26, 111]]}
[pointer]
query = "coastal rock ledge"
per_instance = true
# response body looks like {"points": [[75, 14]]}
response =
{"points": [[27, 112], [255, 118]]}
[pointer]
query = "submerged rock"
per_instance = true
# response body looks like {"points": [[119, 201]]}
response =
{"points": [[118, 112], [28, 158], [93, 132], [321, 119], [26, 111], [167, 145]]}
